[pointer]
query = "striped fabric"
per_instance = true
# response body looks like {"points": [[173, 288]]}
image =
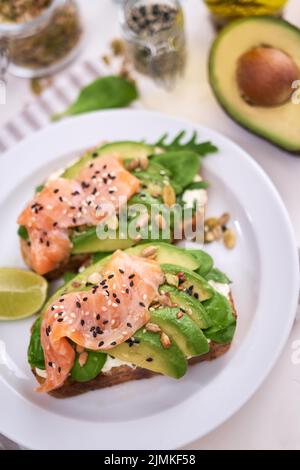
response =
{"points": [[54, 99]]}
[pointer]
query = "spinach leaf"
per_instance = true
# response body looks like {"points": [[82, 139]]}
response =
{"points": [[219, 311], [223, 336], [197, 185], [22, 232], [183, 166], [205, 260], [90, 369], [218, 276], [200, 148], [105, 92], [35, 351]]}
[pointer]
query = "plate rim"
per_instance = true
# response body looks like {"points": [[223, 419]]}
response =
{"points": [[280, 206]]}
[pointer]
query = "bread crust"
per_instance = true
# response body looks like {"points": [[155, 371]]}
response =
{"points": [[122, 374]]}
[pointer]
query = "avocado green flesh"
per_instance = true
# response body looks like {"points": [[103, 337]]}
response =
{"points": [[184, 331], [166, 252], [126, 150], [193, 283], [279, 124], [91, 369], [205, 261], [188, 304], [150, 354]]}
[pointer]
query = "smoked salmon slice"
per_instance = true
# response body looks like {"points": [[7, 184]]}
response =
{"points": [[101, 317], [101, 187]]}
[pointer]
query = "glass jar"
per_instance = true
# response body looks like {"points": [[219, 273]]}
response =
{"points": [[44, 43], [224, 11], [154, 31]]}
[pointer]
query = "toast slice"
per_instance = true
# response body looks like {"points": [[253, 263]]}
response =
{"points": [[124, 373]]}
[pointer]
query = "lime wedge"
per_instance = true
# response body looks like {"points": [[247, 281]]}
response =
{"points": [[22, 293]]}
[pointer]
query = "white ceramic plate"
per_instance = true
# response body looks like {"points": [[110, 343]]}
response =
{"points": [[159, 413]]}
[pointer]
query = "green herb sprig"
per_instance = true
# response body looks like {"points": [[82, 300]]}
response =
{"points": [[178, 143]]}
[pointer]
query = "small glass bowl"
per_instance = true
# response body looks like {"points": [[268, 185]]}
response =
{"points": [[43, 45]]}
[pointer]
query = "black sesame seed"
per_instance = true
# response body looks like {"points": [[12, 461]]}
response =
{"points": [[110, 276], [56, 191], [75, 193], [104, 167], [114, 295], [196, 295], [131, 276], [61, 199], [91, 165], [149, 359], [131, 284], [142, 304], [98, 317], [78, 304], [100, 344], [55, 224], [47, 243], [94, 155], [92, 328], [113, 343], [104, 180], [60, 320], [127, 291], [118, 301], [105, 322], [50, 364], [121, 271], [82, 322], [129, 325], [94, 191], [59, 370], [61, 300], [85, 299]]}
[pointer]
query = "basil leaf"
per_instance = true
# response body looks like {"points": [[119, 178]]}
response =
{"points": [[218, 276], [35, 351], [22, 232], [200, 148], [105, 92], [183, 166]]}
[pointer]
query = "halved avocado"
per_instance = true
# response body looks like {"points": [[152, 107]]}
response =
{"points": [[182, 329], [166, 253], [187, 304], [188, 281], [127, 150], [146, 350], [279, 123]]}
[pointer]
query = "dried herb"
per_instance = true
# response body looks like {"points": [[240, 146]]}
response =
{"points": [[104, 93]]}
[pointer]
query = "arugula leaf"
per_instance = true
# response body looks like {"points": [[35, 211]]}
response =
{"points": [[200, 148], [105, 92]]}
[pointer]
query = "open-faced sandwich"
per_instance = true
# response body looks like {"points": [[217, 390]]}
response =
{"points": [[58, 228], [151, 309]]}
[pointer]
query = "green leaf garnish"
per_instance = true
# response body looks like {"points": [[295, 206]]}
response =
{"points": [[201, 148], [104, 93], [22, 232]]}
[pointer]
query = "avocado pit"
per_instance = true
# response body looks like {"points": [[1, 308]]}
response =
{"points": [[265, 76]]}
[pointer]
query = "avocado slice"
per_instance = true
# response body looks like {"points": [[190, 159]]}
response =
{"points": [[145, 350], [166, 253], [279, 124], [90, 369], [182, 329], [188, 281], [188, 305], [205, 261], [126, 149]]}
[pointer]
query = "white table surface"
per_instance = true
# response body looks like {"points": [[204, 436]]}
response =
{"points": [[271, 419]]}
